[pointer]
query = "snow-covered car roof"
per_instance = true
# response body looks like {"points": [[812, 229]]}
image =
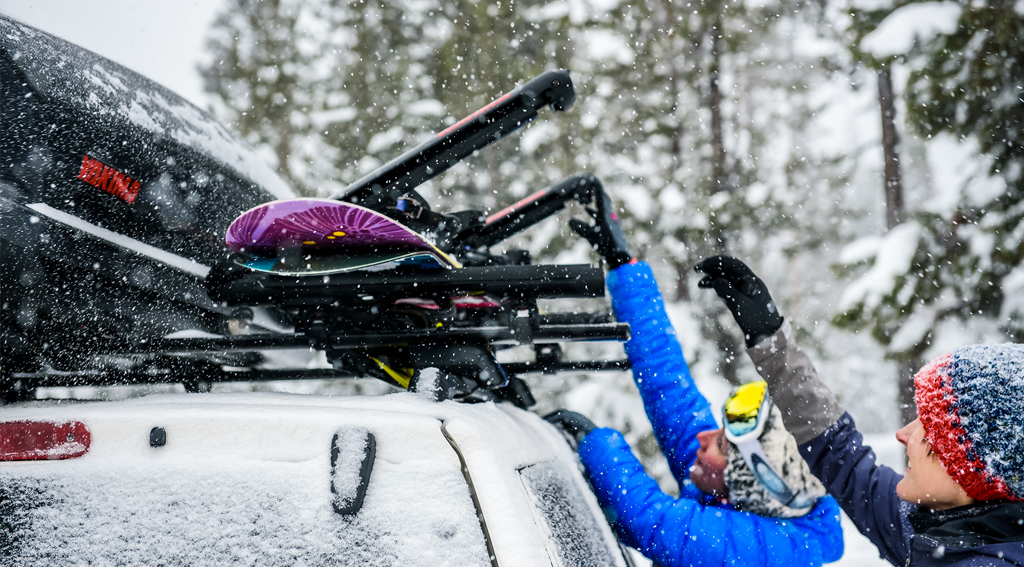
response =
{"points": [[249, 475]]}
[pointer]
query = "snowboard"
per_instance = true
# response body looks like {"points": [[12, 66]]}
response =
{"points": [[302, 237]]}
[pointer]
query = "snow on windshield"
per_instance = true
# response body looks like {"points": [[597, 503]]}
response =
{"points": [[234, 510], [574, 530], [83, 79]]}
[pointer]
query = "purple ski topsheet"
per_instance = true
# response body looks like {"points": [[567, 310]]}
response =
{"points": [[319, 224]]}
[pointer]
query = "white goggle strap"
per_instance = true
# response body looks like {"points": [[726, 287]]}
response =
{"points": [[757, 461]]}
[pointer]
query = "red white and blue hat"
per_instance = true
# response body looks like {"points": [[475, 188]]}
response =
{"points": [[971, 404]]}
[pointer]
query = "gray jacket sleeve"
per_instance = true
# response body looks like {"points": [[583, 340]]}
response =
{"points": [[808, 407]]}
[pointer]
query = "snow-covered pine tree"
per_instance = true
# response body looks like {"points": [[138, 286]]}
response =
{"points": [[701, 121], [254, 72], [954, 272], [892, 189], [487, 49], [972, 85], [333, 88], [382, 85]]}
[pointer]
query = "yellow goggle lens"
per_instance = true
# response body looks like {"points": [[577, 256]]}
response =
{"points": [[746, 401]]}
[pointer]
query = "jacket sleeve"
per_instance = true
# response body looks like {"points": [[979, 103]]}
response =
{"points": [[675, 407], [833, 448], [808, 407], [685, 531]]}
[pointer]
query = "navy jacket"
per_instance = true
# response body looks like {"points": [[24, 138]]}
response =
{"points": [[988, 533], [696, 528]]}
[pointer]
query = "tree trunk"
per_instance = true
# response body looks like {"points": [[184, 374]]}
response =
{"points": [[715, 105], [682, 281], [283, 150], [894, 215], [682, 265], [894, 210], [718, 161], [729, 348], [908, 408]]}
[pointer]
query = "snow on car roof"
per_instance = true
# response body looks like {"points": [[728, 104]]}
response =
{"points": [[504, 425], [263, 444]]}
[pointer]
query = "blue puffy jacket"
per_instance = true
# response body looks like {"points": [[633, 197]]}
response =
{"points": [[696, 528]]}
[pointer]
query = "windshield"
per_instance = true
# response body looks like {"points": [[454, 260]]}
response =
{"points": [[575, 532]]}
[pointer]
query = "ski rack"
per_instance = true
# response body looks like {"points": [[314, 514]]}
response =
{"points": [[392, 325], [390, 189], [234, 285], [487, 125], [349, 316], [530, 211], [214, 374]]}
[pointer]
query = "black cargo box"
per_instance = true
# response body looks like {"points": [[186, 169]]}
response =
{"points": [[115, 195]]}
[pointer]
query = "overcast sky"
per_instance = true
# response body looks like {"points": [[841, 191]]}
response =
{"points": [[161, 39]]}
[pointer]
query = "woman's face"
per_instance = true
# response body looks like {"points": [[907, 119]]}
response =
{"points": [[708, 470], [926, 481]]}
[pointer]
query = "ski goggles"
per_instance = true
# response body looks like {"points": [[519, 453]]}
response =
{"points": [[744, 417], [746, 411]]}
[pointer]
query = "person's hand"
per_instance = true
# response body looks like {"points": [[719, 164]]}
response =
{"points": [[575, 424], [605, 235], [744, 294]]}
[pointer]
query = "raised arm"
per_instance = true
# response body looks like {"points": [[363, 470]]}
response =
{"points": [[676, 408], [826, 434], [832, 446]]}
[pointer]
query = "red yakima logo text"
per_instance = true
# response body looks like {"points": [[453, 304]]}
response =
{"points": [[109, 179]]}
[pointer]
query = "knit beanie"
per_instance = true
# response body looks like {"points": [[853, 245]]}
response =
{"points": [[971, 404], [747, 494]]}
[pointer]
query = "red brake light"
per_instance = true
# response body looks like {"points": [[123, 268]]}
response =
{"points": [[42, 440]]}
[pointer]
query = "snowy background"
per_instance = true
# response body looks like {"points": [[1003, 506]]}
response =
{"points": [[791, 181]]}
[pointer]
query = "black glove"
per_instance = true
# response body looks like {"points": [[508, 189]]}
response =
{"points": [[605, 235], [575, 424], [744, 294]]}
